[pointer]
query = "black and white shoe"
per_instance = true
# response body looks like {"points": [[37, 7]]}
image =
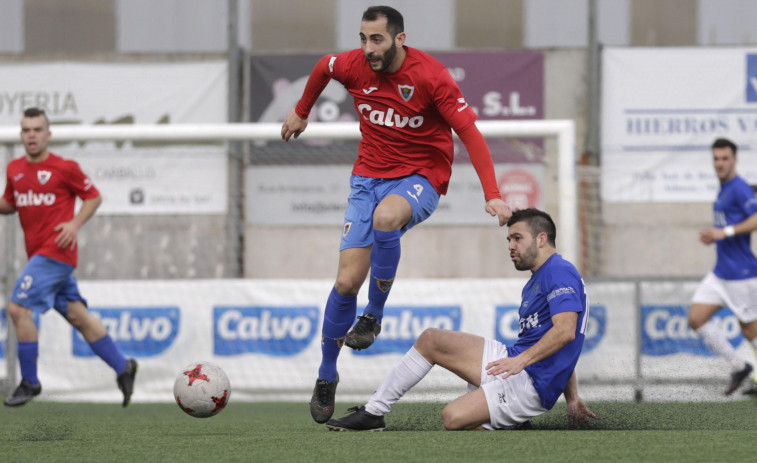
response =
{"points": [[365, 331], [358, 420], [322, 402], [738, 377], [23, 393]]}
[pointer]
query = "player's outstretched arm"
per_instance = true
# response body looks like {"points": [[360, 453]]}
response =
{"points": [[578, 412], [481, 158]]}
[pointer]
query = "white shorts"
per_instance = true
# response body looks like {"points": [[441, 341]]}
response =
{"points": [[511, 401], [738, 295]]}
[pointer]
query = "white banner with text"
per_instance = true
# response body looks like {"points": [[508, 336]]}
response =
{"points": [[661, 110], [266, 335], [133, 177]]}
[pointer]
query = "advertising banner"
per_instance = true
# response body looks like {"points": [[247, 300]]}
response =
{"points": [[670, 348], [661, 110], [497, 85], [266, 335], [133, 177]]}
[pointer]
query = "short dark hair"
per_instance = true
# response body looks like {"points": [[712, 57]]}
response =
{"points": [[36, 112], [394, 21], [538, 221], [725, 143]]}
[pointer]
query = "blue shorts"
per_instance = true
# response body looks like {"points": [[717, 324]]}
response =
{"points": [[368, 192], [46, 283]]}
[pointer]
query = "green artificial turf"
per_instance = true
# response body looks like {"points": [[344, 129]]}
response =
{"points": [[281, 432]]}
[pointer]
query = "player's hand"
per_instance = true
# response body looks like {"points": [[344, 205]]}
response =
{"points": [[507, 366], [710, 235], [67, 235], [499, 208], [293, 125], [579, 414]]}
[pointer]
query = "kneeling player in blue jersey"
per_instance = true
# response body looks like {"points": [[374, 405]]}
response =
{"points": [[508, 385]]}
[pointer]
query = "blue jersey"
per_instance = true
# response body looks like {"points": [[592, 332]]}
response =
{"points": [[736, 202], [554, 288]]}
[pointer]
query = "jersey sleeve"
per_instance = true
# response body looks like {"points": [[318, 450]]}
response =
{"points": [[81, 185], [748, 200], [481, 158], [318, 80], [451, 104], [564, 292], [8, 194]]}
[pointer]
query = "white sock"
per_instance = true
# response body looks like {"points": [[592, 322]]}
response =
{"points": [[715, 339], [411, 369]]}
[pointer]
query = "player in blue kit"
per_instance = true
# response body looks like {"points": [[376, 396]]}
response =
{"points": [[508, 385], [733, 281]]}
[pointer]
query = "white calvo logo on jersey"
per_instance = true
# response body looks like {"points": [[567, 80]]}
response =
{"points": [[406, 91], [388, 118], [31, 198], [43, 176]]}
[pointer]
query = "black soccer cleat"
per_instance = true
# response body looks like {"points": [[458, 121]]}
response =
{"points": [[126, 380], [23, 393], [737, 378], [322, 402], [365, 331], [358, 420]]}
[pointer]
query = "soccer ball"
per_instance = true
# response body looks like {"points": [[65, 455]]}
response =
{"points": [[202, 389]]}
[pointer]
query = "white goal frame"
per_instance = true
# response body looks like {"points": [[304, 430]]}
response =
{"points": [[563, 131]]}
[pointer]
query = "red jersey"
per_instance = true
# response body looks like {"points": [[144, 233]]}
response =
{"points": [[44, 194], [405, 116]]}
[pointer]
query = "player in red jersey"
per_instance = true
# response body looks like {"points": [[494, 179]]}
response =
{"points": [[408, 104], [43, 188]]}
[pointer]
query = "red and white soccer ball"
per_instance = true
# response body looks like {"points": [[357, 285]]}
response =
{"points": [[202, 389]]}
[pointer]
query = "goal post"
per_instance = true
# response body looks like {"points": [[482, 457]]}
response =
{"points": [[563, 131]]}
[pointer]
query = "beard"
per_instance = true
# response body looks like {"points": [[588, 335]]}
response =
{"points": [[528, 258], [386, 59]]}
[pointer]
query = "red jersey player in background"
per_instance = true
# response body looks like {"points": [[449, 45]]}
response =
{"points": [[43, 188], [407, 103]]}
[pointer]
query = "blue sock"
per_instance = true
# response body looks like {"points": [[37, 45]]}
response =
{"points": [[385, 257], [337, 321], [106, 349], [27, 359]]}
